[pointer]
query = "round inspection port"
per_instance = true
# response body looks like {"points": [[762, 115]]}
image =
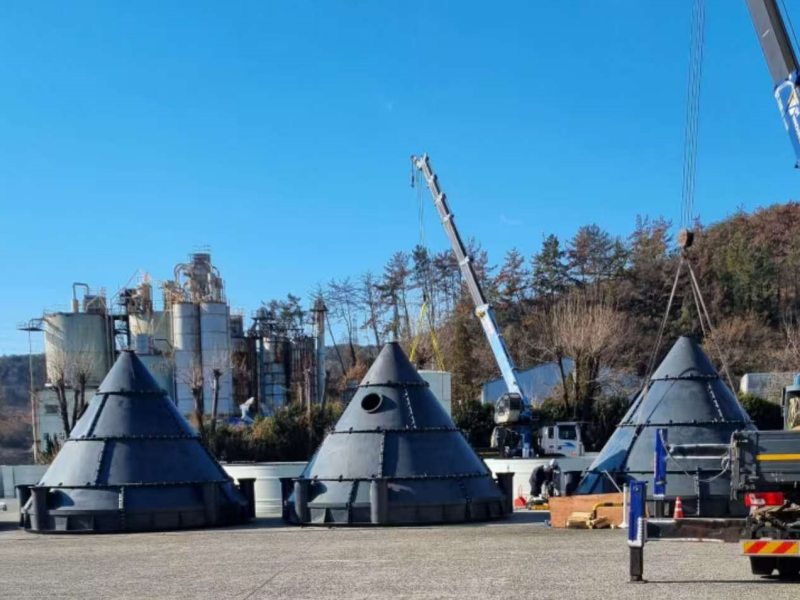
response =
{"points": [[371, 402]]}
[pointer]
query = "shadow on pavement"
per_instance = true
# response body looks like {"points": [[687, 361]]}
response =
{"points": [[761, 581], [517, 518]]}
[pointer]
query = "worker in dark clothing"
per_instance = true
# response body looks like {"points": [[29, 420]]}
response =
{"points": [[544, 480]]}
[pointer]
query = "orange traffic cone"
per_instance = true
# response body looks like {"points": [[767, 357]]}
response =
{"points": [[678, 509]]}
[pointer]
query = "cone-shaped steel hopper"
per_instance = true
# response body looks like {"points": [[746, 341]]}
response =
{"points": [[395, 457], [687, 397], [132, 463]]}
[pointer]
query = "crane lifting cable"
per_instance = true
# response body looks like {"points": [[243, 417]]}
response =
{"points": [[686, 235], [691, 125], [427, 285]]}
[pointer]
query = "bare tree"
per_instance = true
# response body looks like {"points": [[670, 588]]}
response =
{"points": [[592, 334], [80, 370], [790, 356], [371, 299], [218, 363], [242, 372], [394, 288], [58, 373], [193, 377], [734, 338], [343, 303]]}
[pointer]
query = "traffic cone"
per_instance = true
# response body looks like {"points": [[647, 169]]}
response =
{"points": [[678, 509]]}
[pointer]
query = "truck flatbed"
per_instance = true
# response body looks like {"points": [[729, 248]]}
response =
{"points": [[766, 461]]}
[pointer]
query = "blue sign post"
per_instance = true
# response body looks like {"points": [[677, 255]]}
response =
{"points": [[637, 524], [660, 471]]}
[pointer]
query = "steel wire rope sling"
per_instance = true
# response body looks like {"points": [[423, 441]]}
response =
{"points": [[685, 234]]}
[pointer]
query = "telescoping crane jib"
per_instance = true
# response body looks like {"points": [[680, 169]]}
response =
{"points": [[482, 307], [513, 407], [782, 63]]}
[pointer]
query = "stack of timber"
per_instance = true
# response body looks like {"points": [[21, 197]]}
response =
{"points": [[562, 509], [587, 520]]}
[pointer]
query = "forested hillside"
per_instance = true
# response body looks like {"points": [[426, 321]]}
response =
{"points": [[15, 378], [594, 297], [15, 413]]}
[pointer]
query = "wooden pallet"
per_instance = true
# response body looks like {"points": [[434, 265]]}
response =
{"points": [[561, 508]]}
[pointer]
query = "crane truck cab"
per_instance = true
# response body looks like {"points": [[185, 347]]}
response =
{"points": [[516, 434], [561, 439]]}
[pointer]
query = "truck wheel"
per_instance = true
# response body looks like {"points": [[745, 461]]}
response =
{"points": [[762, 565], [789, 568]]}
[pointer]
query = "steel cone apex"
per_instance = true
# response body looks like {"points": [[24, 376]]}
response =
{"points": [[687, 397], [395, 457], [132, 463]]}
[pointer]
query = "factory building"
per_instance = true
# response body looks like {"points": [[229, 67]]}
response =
{"points": [[193, 344], [291, 362]]}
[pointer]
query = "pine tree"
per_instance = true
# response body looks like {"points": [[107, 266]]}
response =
{"points": [[550, 273], [651, 269], [394, 289], [462, 361], [595, 256], [512, 280]]}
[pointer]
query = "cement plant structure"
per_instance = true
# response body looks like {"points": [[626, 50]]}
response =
{"points": [[188, 338]]}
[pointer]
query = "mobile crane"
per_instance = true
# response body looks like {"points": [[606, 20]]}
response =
{"points": [[782, 64], [514, 414], [764, 465]]}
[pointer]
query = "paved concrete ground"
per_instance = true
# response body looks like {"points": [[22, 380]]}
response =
{"points": [[517, 559]]}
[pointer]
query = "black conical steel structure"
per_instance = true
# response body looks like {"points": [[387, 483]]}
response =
{"points": [[132, 463], [687, 397], [395, 457]]}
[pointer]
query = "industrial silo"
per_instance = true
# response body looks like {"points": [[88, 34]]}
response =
{"points": [[186, 349], [155, 328], [151, 335], [686, 397], [215, 349], [78, 339], [396, 458], [133, 463], [275, 363]]}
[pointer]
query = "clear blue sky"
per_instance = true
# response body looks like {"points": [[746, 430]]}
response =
{"points": [[279, 133]]}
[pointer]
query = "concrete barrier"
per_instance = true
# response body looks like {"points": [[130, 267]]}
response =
{"points": [[13, 475], [268, 484], [523, 467], [267, 476]]}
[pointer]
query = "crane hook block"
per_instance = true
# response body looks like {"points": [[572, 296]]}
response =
{"points": [[685, 238]]}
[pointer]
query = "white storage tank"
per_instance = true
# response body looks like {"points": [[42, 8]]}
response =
{"points": [[73, 338], [186, 343], [215, 348], [157, 325], [440, 383]]}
